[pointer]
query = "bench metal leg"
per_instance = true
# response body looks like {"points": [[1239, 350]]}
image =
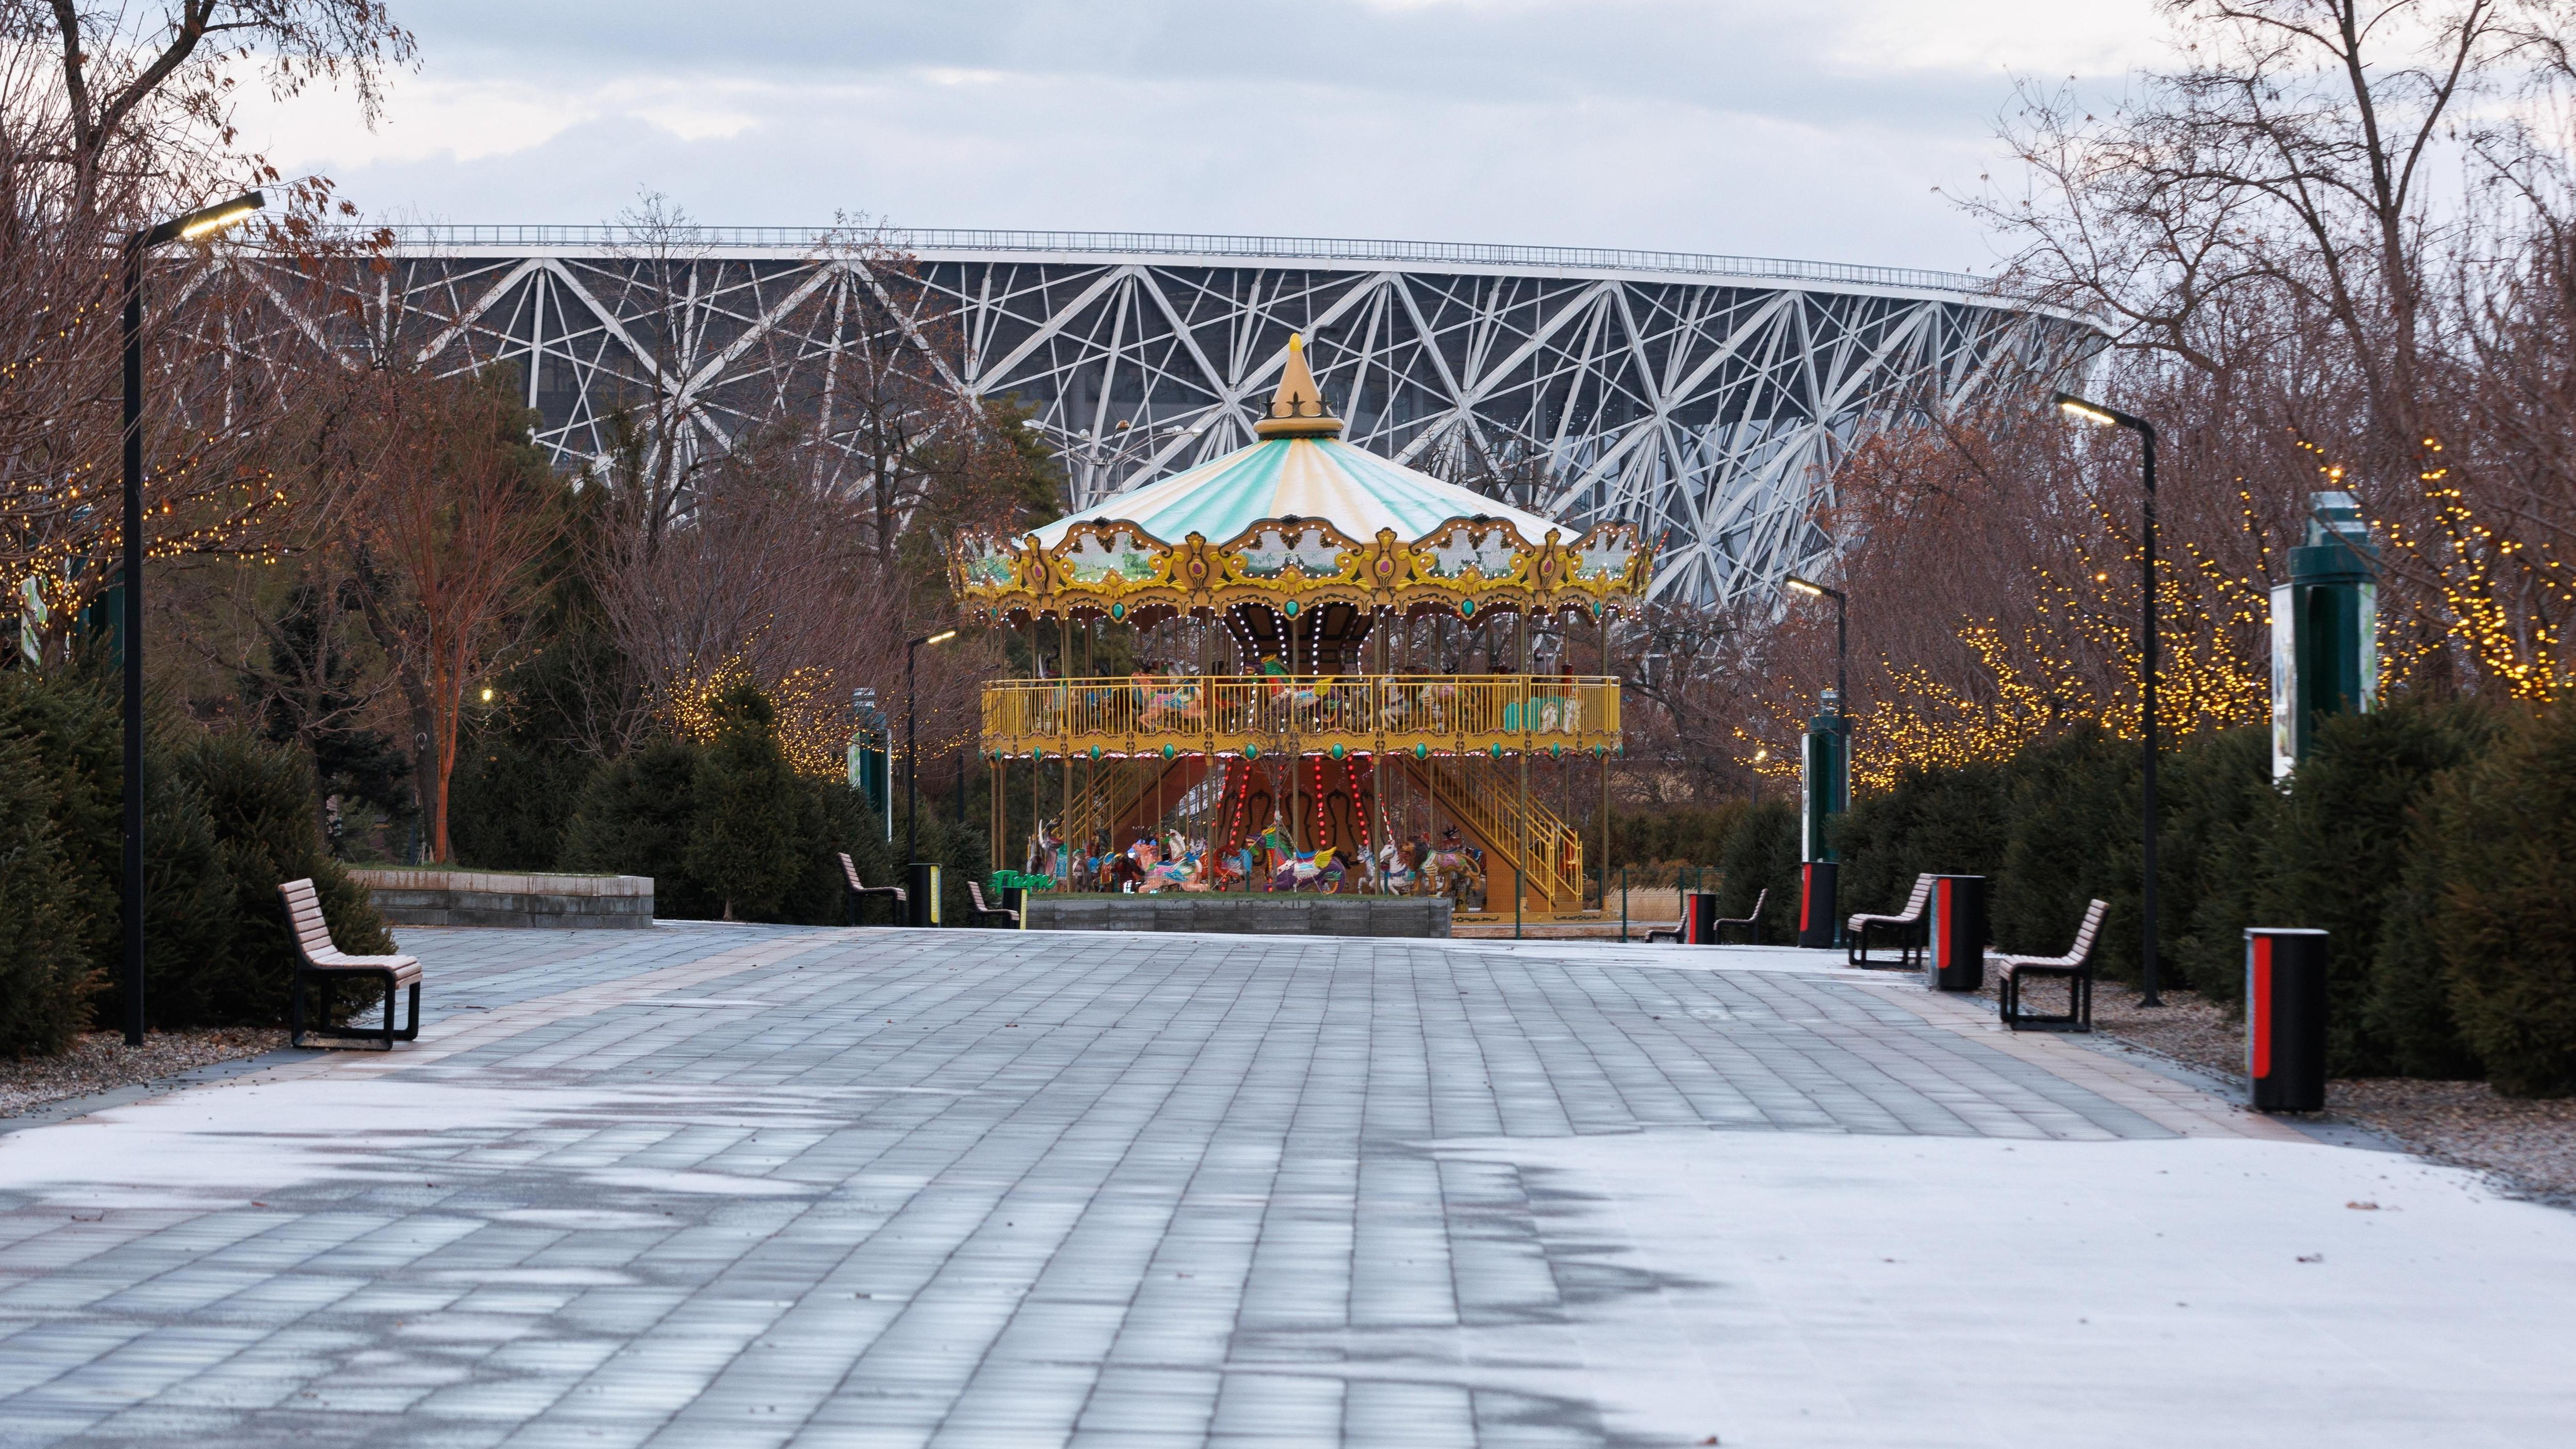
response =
{"points": [[2078, 1016], [1856, 952], [328, 986]]}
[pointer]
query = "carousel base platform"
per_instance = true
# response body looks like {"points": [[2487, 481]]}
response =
{"points": [[1257, 914]]}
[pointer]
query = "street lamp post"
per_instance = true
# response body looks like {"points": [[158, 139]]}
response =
{"points": [[911, 739], [1826, 757], [2101, 416], [195, 224]]}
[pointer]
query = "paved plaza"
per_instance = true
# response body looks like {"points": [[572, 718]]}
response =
{"points": [[713, 1186]]}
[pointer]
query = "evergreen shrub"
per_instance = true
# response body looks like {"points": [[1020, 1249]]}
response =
{"points": [[1761, 853], [46, 980], [727, 822], [257, 805], [511, 799], [2340, 855], [2499, 834], [227, 819], [2219, 812], [1949, 822], [634, 818]]}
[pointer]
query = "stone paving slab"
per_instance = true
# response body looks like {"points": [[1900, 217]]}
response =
{"points": [[757, 1185]]}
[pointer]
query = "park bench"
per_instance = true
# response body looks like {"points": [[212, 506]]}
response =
{"points": [[975, 893], [1752, 921], [859, 892], [1907, 925], [2076, 966], [320, 963]]}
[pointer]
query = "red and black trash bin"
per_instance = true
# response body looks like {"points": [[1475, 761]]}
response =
{"points": [[1954, 948], [2285, 1018], [1699, 918], [1816, 918]]}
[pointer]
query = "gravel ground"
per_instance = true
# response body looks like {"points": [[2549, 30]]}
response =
{"points": [[101, 1060], [2531, 1146]]}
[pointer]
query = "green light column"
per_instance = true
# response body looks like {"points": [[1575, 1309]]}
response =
{"points": [[2325, 630]]}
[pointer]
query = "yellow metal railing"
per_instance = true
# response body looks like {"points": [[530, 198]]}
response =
{"points": [[1489, 803], [1374, 714]]}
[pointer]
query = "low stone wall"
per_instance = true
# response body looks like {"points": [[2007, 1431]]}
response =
{"points": [[509, 898], [1247, 915]]}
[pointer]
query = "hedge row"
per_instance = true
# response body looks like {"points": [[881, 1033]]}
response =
{"points": [[227, 818], [726, 827], [2436, 843]]}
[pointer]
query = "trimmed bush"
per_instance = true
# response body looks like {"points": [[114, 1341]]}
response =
{"points": [[2500, 837], [257, 805], [227, 818], [741, 842], [70, 732], [2070, 836], [2215, 854], [46, 980], [511, 800], [1686, 836], [1950, 822], [2340, 853], [728, 822], [1761, 852]]}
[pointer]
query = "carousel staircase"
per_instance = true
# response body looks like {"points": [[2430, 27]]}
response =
{"points": [[1486, 803], [1119, 795]]}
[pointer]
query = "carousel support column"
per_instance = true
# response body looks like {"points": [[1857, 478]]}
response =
{"points": [[1520, 828], [1607, 675], [1064, 681]]}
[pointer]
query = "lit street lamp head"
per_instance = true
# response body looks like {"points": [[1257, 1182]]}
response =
{"points": [[206, 221], [942, 637], [1810, 588], [2098, 415]]}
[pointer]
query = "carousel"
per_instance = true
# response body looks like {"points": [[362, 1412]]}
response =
{"points": [[1302, 666]]}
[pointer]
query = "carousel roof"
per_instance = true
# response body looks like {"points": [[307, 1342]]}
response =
{"points": [[1300, 470], [1301, 519]]}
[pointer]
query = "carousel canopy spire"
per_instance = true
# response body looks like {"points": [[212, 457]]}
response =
{"points": [[1297, 409]]}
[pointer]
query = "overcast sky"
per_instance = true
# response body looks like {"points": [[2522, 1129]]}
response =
{"points": [[1802, 128]]}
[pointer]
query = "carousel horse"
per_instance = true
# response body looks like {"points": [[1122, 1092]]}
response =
{"points": [[1296, 871], [1165, 697], [1233, 865], [1455, 873], [1336, 870], [1396, 874]]}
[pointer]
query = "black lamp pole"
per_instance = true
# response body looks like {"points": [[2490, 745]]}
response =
{"points": [[2112, 417], [911, 740], [129, 580]]}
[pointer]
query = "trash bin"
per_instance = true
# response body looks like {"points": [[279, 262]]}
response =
{"points": [[1816, 920], [1016, 898], [1954, 951], [1699, 918], [922, 894], [2285, 1019]]}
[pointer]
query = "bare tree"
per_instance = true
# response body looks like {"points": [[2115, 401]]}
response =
{"points": [[445, 551]]}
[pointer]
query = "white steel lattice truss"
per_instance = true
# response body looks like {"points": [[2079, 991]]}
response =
{"points": [[1705, 399]]}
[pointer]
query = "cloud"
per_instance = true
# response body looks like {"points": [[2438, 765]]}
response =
{"points": [[1722, 126]]}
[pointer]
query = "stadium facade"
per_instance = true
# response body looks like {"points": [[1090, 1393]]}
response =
{"points": [[1703, 398]]}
